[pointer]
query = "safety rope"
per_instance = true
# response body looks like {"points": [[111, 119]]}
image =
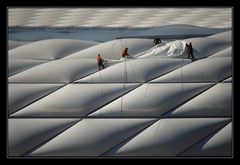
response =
{"points": [[124, 76], [100, 75], [125, 71], [122, 43], [114, 45], [147, 85], [182, 85], [133, 72], [125, 43]]}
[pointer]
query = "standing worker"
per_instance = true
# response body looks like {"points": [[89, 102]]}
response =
{"points": [[190, 50], [100, 62], [125, 52]]}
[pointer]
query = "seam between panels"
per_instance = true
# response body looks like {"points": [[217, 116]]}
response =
{"points": [[94, 72], [120, 117], [204, 138], [177, 106], [9, 115], [170, 71], [184, 102], [130, 137], [72, 81], [48, 139], [87, 115], [30, 67]]}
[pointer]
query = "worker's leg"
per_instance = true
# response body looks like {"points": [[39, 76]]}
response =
{"points": [[99, 66], [192, 56]]}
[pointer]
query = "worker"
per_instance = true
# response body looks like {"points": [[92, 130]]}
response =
{"points": [[125, 52], [190, 50], [157, 40], [100, 62]]}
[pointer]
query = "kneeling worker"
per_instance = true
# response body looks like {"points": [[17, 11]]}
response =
{"points": [[157, 40]]}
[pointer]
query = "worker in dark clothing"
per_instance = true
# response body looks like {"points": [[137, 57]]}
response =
{"points": [[100, 62], [190, 50], [125, 52], [157, 40]]}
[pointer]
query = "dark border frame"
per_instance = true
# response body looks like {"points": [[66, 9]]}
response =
{"points": [[129, 3]]}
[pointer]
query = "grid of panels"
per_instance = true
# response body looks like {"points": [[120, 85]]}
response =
{"points": [[139, 107]]}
